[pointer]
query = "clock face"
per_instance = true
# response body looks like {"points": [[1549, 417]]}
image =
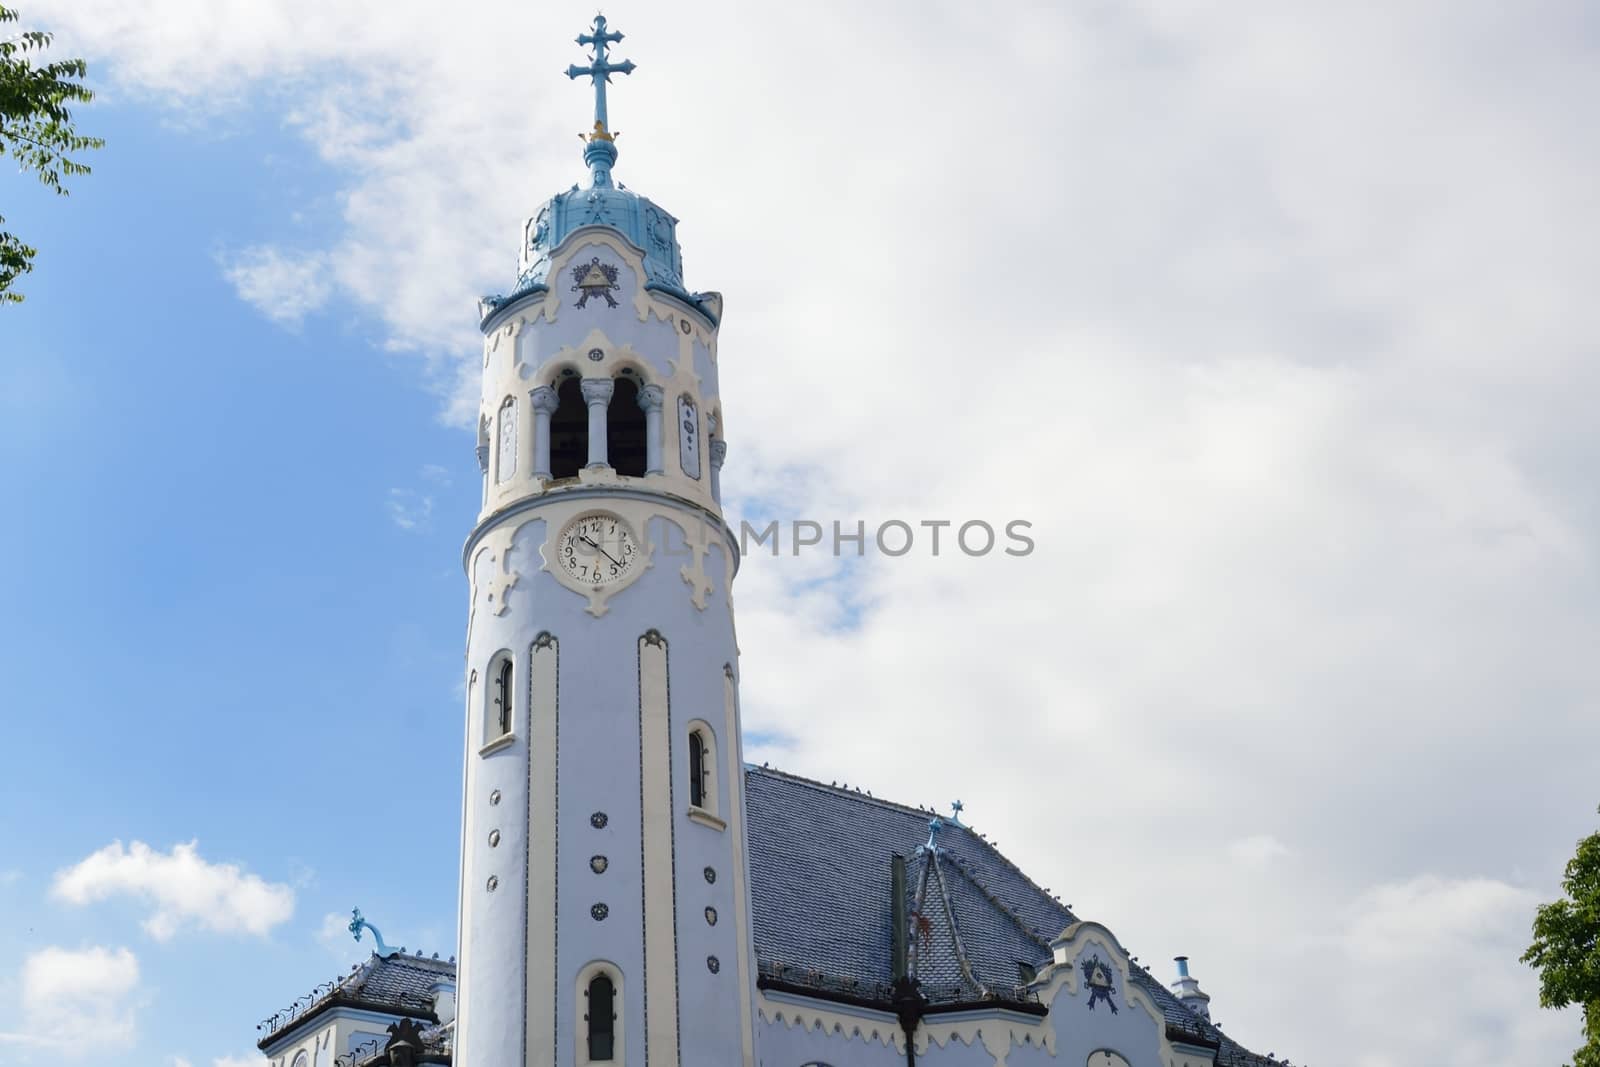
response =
{"points": [[597, 549]]}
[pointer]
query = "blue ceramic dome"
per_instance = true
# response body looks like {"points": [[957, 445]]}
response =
{"points": [[603, 203]]}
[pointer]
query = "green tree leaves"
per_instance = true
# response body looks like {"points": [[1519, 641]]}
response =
{"points": [[1566, 947], [36, 129]]}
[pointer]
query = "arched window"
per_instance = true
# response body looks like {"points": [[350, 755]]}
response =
{"points": [[625, 429], [505, 463], [703, 774], [1105, 1058], [502, 697], [569, 430], [499, 701], [601, 1018], [599, 996], [697, 769]]}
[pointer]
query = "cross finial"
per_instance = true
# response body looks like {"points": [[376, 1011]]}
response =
{"points": [[599, 70], [956, 807]]}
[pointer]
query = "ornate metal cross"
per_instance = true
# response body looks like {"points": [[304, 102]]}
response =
{"points": [[600, 68]]}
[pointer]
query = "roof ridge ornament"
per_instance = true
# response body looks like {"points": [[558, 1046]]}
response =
{"points": [[935, 824], [357, 924], [600, 150]]}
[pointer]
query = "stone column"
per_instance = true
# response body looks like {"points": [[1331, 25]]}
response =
{"points": [[719, 452], [650, 400], [545, 401], [597, 394]]}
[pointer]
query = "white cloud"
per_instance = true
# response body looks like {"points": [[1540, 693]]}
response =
{"points": [[179, 1061], [283, 287], [1257, 850], [334, 931], [1401, 940], [301, 875], [74, 1002], [409, 509], [183, 888], [334, 936], [1273, 321]]}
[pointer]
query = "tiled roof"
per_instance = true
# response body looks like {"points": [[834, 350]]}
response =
{"points": [[398, 983], [820, 876], [399, 978], [820, 882]]}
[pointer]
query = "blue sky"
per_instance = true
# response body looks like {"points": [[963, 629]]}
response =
{"points": [[218, 631], [1273, 319]]}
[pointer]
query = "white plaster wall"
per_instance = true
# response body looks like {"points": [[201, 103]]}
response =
{"points": [[518, 981]]}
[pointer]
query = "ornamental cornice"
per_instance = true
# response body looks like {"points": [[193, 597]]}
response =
{"points": [[494, 540]]}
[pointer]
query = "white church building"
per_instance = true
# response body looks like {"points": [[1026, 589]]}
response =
{"points": [[632, 892]]}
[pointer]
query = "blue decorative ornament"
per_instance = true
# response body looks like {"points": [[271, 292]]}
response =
{"points": [[357, 924], [1097, 976], [603, 202]]}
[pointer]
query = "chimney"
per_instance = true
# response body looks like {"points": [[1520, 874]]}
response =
{"points": [[1188, 990]]}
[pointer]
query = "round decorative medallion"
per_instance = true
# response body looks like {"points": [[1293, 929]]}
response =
{"points": [[599, 912], [711, 875], [598, 864], [596, 355], [683, 324], [598, 820], [493, 883], [494, 838], [494, 798], [713, 964], [711, 916]]}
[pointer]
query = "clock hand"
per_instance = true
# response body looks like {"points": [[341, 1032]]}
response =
{"points": [[595, 545]]}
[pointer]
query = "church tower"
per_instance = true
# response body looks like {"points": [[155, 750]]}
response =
{"points": [[605, 904]]}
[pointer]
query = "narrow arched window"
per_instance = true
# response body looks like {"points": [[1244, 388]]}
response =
{"points": [[697, 769], [601, 1018], [569, 430], [625, 437], [502, 697]]}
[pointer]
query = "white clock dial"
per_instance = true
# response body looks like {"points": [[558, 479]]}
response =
{"points": [[597, 549]]}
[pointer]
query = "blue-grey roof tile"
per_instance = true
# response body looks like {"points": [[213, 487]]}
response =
{"points": [[820, 882]]}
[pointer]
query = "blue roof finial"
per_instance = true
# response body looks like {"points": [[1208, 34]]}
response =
{"points": [[933, 831], [601, 150], [956, 807], [357, 923]]}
